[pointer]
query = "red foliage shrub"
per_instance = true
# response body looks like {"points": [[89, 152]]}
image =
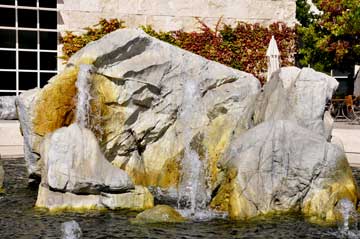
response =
{"points": [[242, 47]]}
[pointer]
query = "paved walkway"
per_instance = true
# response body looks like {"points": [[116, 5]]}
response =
{"points": [[349, 134]]}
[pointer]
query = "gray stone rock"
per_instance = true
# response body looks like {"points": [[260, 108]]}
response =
{"points": [[74, 163], [8, 108], [151, 77], [297, 95], [279, 166], [154, 101], [357, 85], [159, 214], [25, 103], [141, 82], [2, 173], [328, 125], [138, 199]]}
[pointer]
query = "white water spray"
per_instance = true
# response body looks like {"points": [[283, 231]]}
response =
{"points": [[348, 213], [192, 193], [83, 95], [71, 230]]}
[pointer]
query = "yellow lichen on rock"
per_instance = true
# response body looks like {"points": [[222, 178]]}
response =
{"points": [[216, 141], [56, 103], [107, 118], [222, 199], [230, 199], [159, 214], [137, 200], [57, 201], [162, 160], [320, 204], [134, 166], [169, 175]]}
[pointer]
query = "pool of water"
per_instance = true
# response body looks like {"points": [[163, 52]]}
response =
{"points": [[18, 219]]}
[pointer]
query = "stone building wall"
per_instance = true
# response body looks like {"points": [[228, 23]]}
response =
{"points": [[173, 14]]}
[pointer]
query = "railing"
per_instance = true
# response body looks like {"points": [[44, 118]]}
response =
{"points": [[347, 109]]}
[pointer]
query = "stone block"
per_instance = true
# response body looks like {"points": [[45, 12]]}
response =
{"points": [[229, 8]]}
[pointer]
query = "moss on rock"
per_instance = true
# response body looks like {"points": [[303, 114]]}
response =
{"points": [[159, 214], [55, 106]]}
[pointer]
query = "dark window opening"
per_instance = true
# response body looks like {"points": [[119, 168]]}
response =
{"points": [[7, 17], [8, 80], [8, 38], [48, 61], [7, 93], [7, 2], [28, 39], [28, 3], [48, 40], [7, 60], [27, 60], [45, 77], [27, 80], [48, 3], [48, 19], [27, 18]]}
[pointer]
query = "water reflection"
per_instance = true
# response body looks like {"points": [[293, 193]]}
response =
{"points": [[18, 219]]}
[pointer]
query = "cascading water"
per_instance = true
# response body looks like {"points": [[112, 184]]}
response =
{"points": [[71, 230], [83, 95], [192, 193], [348, 213]]}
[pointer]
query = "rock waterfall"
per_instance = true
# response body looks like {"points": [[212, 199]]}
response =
{"points": [[193, 125]]}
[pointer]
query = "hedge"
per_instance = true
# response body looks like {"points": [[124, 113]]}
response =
{"points": [[242, 47]]}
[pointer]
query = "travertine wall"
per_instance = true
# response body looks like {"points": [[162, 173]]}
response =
{"points": [[173, 14]]}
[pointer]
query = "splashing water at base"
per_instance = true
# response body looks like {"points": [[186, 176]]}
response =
{"points": [[193, 195], [71, 230], [347, 224], [83, 94]]}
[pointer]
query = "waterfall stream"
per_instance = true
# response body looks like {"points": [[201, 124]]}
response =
{"points": [[83, 94], [347, 224], [192, 192]]}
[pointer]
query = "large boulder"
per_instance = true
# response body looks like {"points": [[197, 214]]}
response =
{"points": [[297, 95], [8, 108], [74, 163], [176, 121], [279, 166], [25, 103], [76, 175], [145, 94]]}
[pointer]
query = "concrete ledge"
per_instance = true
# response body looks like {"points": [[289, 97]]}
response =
{"points": [[350, 138], [11, 140]]}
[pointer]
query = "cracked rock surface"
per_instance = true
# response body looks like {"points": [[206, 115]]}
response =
{"points": [[76, 175], [261, 152], [74, 163], [297, 95], [280, 166], [138, 94]]}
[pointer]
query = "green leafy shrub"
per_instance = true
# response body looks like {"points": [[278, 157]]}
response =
{"points": [[331, 40], [74, 42], [242, 47]]}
